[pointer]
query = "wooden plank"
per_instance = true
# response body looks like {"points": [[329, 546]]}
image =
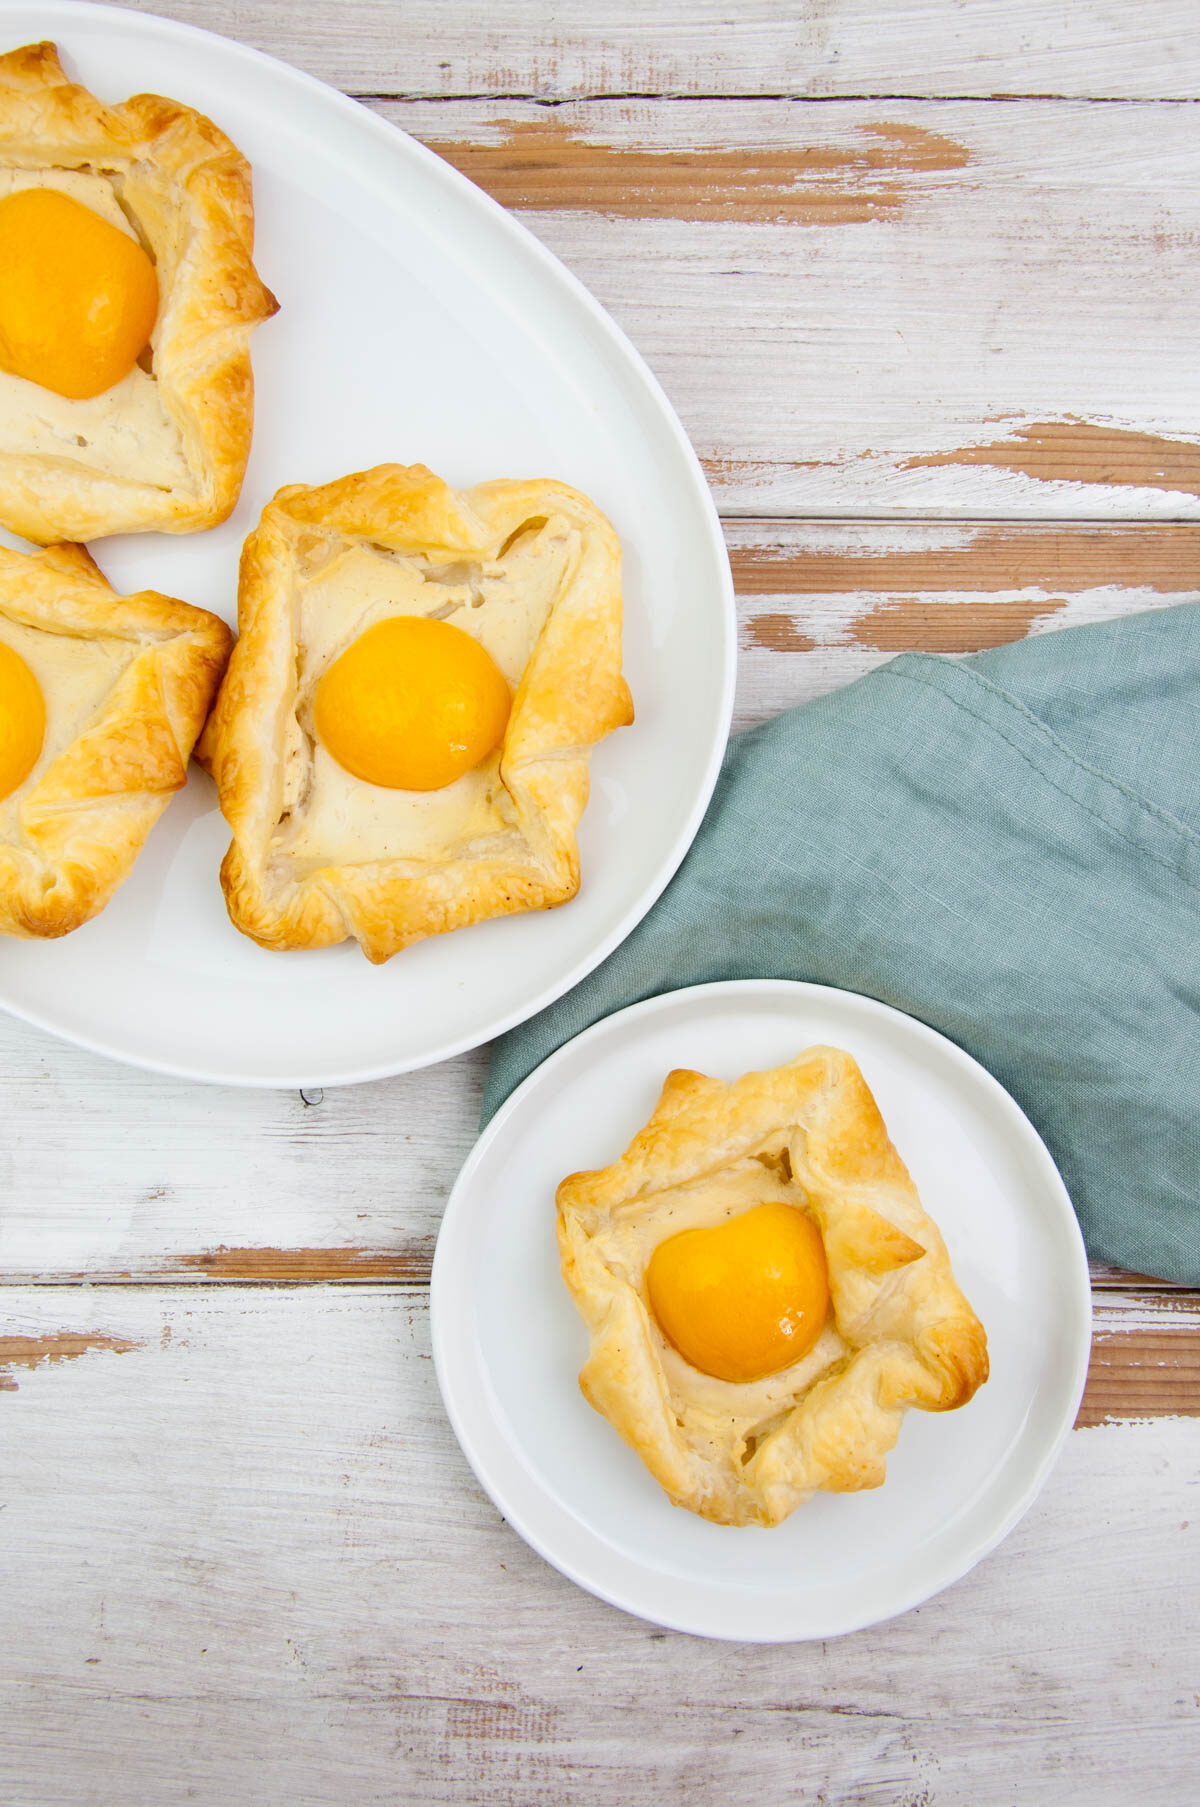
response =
{"points": [[244, 1559], [864, 307], [1145, 1345], [154, 1178], [1143, 1373], [982, 561], [117, 1174], [822, 603], [1145, 1359], [688, 47]]}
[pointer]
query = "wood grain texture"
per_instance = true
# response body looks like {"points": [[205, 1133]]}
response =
{"points": [[690, 47], [1071, 451], [1145, 1361], [244, 1560], [979, 562], [62, 1346], [543, 166], [870, 307]]}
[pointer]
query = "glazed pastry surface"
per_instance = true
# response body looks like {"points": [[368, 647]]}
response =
{"points": [[529, 570], [899, 1334], [166, 447], [127, 682]]}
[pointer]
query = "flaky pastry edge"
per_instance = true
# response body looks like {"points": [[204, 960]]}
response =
{"points": [[177, 167], [570, 696], [85, 820], [913, 1338]]}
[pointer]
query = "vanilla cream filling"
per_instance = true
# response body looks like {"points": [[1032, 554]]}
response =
{"points": [[84, 185], [75, 675], [332, 818], [713, 1408], [124, 433]]}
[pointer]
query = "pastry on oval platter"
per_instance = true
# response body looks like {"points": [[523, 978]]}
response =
{"points": [[766, 1295], [101, 699], [401, 743], [127, 299]]}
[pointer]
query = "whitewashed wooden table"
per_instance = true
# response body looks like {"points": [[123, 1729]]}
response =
{"points": [[921, 278]]}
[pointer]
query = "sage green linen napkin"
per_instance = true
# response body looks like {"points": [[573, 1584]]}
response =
{"points": [[1007, 847]]}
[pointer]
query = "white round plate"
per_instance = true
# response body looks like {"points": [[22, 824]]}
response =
{"points": [[508, 1344], [419, 323]]}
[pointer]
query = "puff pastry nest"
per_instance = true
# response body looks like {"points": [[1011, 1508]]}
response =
{"points": [[127, 682], [532, 569], [900, 1333], [166, 448]]}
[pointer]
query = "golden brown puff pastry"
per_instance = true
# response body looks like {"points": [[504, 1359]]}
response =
{"points": [[165, 448], [899, 1334], [532, 571], [127, 682]]}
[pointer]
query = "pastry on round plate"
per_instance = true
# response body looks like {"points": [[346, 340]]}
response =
{"points": [[101, 699], [765, 1294], [127, 300], [401, 743]]}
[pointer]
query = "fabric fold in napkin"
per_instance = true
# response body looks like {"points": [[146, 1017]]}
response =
{"points": [[1005, 846]]}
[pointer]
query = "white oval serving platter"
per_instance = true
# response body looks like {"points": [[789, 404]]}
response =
{"points": [[420, 323]]}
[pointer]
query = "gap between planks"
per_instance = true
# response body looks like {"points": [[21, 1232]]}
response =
{"points": [[283, 1269], [705, 48], [524, 97]]}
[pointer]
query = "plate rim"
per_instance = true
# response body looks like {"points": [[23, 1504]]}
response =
{"points": [[1077, 1274], [58, 19]]}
